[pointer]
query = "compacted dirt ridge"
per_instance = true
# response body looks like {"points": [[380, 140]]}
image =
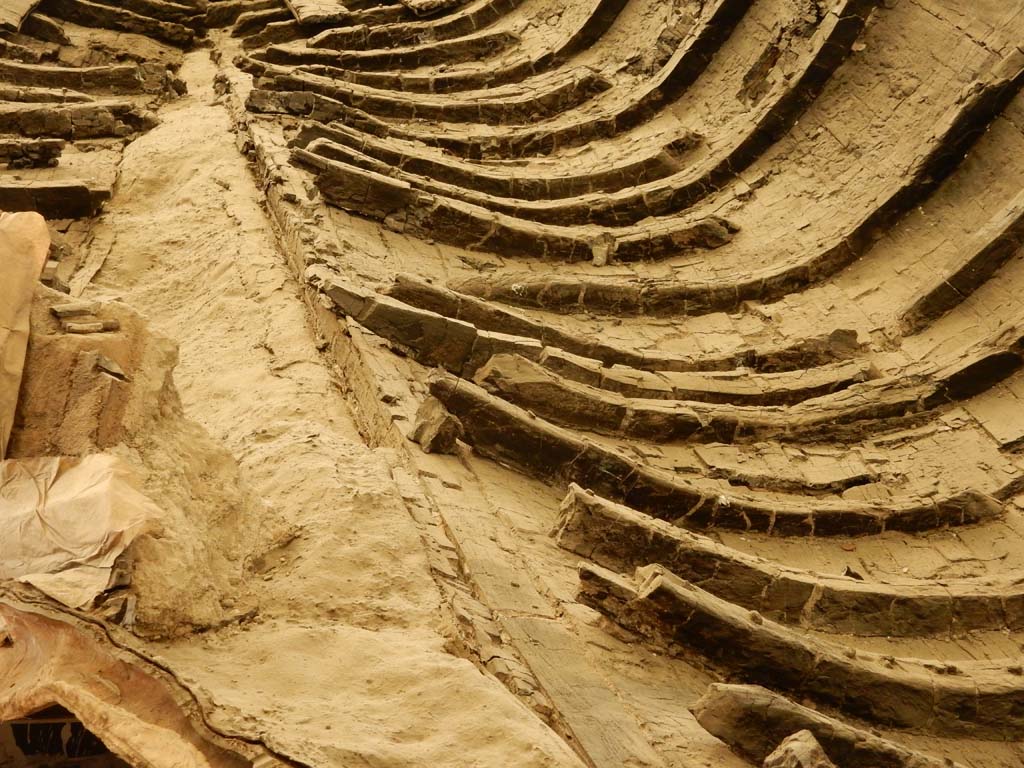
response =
{"points": [[613, 383]]}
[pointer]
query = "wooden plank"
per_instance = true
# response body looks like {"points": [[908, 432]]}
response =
{"points": [[428, 7], [1000, 410], [58, 199], [488, 551], [608, 734], [316, 11], [14, 12]]}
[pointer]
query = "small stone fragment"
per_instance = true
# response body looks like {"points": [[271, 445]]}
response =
{"points": [[801, 750], [92, 326], [127, 619], [111, 367], [852, 574], [74, 309], [436, 430]]}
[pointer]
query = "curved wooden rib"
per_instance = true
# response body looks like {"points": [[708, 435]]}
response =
{"points": [[753, 721], [583, 406], [589, 358], [513, 436], [471, 18], [476, 228], [654, 198], [622, 539], [598, 22], [548, 95], [676, 76], [951, 139], [458, 49], [970, 698], [983, 254]]}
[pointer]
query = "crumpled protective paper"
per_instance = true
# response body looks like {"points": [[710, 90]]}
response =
{"points": [[24, 244], [64, 521]]}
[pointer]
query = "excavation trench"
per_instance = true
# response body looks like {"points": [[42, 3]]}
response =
{"points": [[308, 587], [285, 541]]}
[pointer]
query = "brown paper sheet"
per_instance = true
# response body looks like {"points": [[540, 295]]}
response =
{"points": [[64, 521], [24, 244]]}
